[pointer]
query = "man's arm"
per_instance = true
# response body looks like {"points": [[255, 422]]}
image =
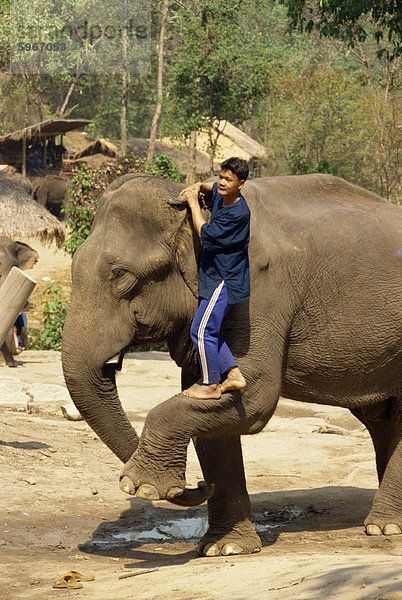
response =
{"points": [[191, 195], [198, 187]]}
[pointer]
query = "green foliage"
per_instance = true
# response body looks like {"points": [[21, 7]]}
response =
{"points": [[80, 206], [53, 317], [89, 184], [350, 21], [163, 166], [215, 75]]}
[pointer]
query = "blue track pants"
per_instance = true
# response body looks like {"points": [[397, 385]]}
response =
{"points": [[214, 355]]}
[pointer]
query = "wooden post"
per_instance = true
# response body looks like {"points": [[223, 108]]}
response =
{"points": [[44, 150], [14, 292], [24, 156]]}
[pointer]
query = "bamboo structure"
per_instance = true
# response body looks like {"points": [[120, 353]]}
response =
{"points": [[14, 292]]}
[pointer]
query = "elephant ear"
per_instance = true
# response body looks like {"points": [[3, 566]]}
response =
{"points": [[187, 247], [26, 256]]}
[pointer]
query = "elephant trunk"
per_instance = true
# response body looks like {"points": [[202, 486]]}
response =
{"points": [[94, 393]]}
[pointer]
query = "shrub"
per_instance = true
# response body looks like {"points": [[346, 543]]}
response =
{"points": [[89, 184], [53, 317], [163, 166]]}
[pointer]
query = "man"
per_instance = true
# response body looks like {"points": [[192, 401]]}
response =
{"points": [[34, 165], [223, 277]]}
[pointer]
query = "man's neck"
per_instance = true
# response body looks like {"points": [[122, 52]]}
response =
{"points": [[228, 201]]}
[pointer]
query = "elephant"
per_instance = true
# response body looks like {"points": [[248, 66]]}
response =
{"points": [[50, 191], [13, 254], [12, 173], [323, 325]]}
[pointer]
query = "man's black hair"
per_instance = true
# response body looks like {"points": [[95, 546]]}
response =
{"points": [[238, 166]]}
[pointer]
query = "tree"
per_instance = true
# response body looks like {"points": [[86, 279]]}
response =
{"points": [[219, 69], [350, 21], [158, 110]]}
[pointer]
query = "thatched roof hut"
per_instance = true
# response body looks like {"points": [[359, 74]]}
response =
{"points": [[43, 129], [231, 141], [22, 217], [99, 146], [13, 146]]}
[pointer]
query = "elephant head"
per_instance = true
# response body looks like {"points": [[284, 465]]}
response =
{"points": [[14, 254], [134, 280]]}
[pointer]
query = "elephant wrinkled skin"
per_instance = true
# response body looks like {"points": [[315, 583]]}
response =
{"points": [[323, 325]]}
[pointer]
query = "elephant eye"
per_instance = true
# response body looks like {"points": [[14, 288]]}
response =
{"points": [[123, 282]]}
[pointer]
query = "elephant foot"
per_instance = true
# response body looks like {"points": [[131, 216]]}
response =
{"points": [[241, 539], [377, 525], [158, 484]]}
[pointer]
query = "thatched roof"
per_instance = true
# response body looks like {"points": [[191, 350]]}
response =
{"points": [[99, 146], [43, 129], [231, 142], [244, 141], [95, 161], [22, 217]]}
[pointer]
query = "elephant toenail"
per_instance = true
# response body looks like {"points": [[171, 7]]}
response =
{"points": [[211, 550], [148, 492], [231, 549], [127, 486], [174, 492], [392, 529], [373, 530]]}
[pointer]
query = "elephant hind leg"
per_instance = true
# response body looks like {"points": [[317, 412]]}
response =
{"points": [[379, 419], [384, 423]]}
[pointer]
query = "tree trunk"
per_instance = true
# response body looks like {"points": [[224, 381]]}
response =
{"points": [[192, 156], [158, 110], [123, 116]]}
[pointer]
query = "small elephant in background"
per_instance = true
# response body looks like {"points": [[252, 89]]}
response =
{"points": [[50, 191], [11, 173], [13, 254]]}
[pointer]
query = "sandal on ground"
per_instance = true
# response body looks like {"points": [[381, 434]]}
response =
{"points": [[67, 581], [80, 577]]}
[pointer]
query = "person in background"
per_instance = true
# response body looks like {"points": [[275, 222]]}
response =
{"points": [[34, 165], [21, 330]]}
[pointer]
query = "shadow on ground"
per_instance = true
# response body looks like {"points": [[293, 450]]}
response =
{"points": [[306, 510]]}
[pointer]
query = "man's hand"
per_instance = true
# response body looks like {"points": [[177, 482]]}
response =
{"points": [[195, 187], [191, 196]]}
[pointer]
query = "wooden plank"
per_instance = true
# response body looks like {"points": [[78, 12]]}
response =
{"points": [[14, 292]]}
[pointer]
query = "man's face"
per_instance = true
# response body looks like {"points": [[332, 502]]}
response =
{"points": [[229, 184]]}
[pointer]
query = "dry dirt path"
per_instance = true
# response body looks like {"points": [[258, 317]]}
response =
{"points": [[310, 474]]}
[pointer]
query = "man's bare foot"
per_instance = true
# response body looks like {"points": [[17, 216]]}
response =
{"points": [[203, 391], [234, 381]]}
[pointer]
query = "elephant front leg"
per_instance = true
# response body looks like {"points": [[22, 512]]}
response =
{"points": [[160, 459], [153, 472], [229, 511]]}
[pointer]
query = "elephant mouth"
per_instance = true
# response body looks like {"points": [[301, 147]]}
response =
{"points": [[115, 361]]}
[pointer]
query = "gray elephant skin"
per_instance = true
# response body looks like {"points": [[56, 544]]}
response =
{"points": [[13, 254], [50, 192], [22, 182], [323, 325]]}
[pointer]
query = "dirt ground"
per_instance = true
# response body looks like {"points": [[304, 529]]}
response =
{"points": [[310, 474]]}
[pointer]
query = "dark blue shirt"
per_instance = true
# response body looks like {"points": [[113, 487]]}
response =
{"points": [[225, 250]]}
